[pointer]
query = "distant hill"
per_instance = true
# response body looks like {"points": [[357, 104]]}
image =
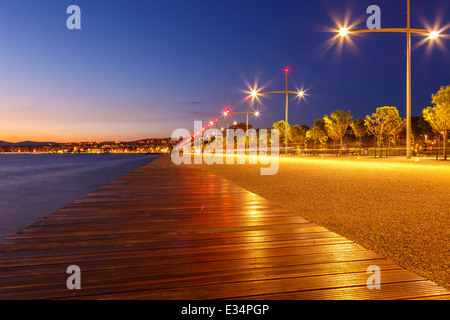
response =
{"points": [[25, 144], [40, 144]]}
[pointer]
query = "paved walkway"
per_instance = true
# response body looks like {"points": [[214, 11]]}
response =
{"points": [[182, 233]]}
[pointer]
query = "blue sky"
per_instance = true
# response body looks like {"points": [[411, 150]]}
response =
{"points": [[140, 69]]}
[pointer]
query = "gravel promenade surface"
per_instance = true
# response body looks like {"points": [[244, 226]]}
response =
{"points": [[398, 208]]}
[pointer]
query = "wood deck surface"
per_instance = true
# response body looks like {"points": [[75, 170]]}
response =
{"points": [[166, 232]]}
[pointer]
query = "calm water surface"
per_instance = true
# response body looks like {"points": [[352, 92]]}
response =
{"points": [[32, 186]]}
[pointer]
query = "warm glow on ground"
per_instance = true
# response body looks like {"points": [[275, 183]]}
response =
{"points": [[396, 207]]}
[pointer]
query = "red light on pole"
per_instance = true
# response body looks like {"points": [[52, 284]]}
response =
{"points": [[287, 70]]}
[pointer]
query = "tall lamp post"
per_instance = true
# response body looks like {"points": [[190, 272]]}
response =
{"points": [[226, 114], [286, 92], [408, 30], [255, 113]]}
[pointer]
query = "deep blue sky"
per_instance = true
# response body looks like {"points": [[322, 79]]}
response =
{"points": [[141, 69]]}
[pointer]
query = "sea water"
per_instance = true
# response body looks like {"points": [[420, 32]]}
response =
{"points": [[32, 186]]}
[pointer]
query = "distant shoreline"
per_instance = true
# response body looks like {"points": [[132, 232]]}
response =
{"points": [[81, 153]]}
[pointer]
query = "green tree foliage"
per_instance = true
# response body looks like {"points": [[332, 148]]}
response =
{"points": [[298, 134], [337, 124], [359, 130], [395, 126], [439, 115], [420, 128], [382, 123], [281, 126], [317, 133]]}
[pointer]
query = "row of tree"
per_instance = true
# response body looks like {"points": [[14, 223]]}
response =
{"points": [[385, 124]]}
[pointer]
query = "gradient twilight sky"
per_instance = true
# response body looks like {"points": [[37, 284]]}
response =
{"points": [[142, 68]]}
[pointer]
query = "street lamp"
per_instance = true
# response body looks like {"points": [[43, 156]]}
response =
{"points": [[434, 35], [300, 94], [255, 113], [343, 32], [226, 114]]}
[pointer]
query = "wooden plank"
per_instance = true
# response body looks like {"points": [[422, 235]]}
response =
{"points": [[192, 277], [247, 289], [433, 296], [199, 266], [179, 232], [46, 244], [125, 235], [178, 257], [168, 250], [411, 290], [144, 230]]}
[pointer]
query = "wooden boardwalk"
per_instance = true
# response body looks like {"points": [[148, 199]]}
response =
{"points": [[165, 232]]}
